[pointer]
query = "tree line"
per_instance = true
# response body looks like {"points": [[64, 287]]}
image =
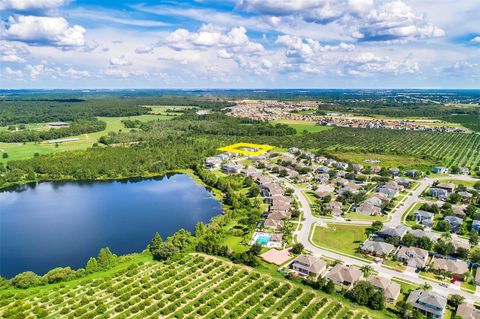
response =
{"points": [[77, 127]]}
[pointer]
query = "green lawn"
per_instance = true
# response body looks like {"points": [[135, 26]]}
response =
{"points": [[358, 216], [20, 151], [246, 162], [219, 173], [342, 238], [235, 243], [310, 196], [405, 286], [411, 209], [468, 286], [458, 182], [300, 126], [394, 264], [434, 277]]}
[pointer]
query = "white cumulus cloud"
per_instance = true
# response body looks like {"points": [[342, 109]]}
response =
{"points": [[76, 74], [395, 20], [44, 31], [120, 61], [366, 20], [35, 70], [306, 55], [367, 63], [13, 52], [144, 50], [11, 73], [210, 36], [24, 5]]}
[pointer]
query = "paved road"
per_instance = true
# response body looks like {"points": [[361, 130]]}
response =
{"points": [[396, 217], [310, 220]]}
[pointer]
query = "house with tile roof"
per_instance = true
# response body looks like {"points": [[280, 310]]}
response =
{"points": [[377, 248], [468, 311], [391, 290], [429, 303], [457, 268], [412, 256], [308, 265], [344, 275]]}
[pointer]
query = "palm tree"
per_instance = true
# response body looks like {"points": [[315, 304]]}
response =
{"points": [[447, 235], [425, 286], [366, 269]]}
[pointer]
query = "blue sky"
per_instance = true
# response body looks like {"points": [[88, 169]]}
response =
{"points": [[240, 44]]}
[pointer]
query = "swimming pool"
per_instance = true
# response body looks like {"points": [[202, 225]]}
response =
{"points": [[263, 239]]}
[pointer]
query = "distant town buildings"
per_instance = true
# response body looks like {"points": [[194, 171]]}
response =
{"points": [[271, 110]]}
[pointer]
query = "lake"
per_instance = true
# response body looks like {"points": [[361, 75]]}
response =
{"points": [[55, 224]]}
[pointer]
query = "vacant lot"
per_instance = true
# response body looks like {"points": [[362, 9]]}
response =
{"points": [[193, 286], [343, 238], [301, 126]]}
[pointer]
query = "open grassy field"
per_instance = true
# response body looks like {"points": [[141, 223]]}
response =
{"points": [[343, 238], [358, 216], [193, 286], [300, 126], [19, 151], [162, 109], [385, 159]]}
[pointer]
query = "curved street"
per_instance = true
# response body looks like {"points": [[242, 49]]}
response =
{"points": [[309, 221]]}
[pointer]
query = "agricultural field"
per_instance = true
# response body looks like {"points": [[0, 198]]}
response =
{"points": [[192, 286], [20, 151], [442, 148], [385, 159]]}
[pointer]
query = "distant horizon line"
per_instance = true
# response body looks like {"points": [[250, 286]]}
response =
{"points": [[226, 89]]}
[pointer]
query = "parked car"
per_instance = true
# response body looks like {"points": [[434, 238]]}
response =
{"points": [[442, 284]]}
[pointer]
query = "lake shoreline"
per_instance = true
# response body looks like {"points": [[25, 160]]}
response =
{"points": [[196, 212]]}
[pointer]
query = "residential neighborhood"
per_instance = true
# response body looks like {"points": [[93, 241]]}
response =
{"points": [[415, 230], [270, 110]]}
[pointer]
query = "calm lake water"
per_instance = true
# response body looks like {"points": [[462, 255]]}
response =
{"points": [[63, 224]]}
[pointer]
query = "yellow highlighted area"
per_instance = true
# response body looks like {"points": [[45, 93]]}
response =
{"points": [[246, 149]]}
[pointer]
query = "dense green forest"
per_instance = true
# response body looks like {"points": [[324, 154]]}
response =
{"points": [[20, 111], [180, 143], [470, 121], [39, 109], [77, 127]]}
